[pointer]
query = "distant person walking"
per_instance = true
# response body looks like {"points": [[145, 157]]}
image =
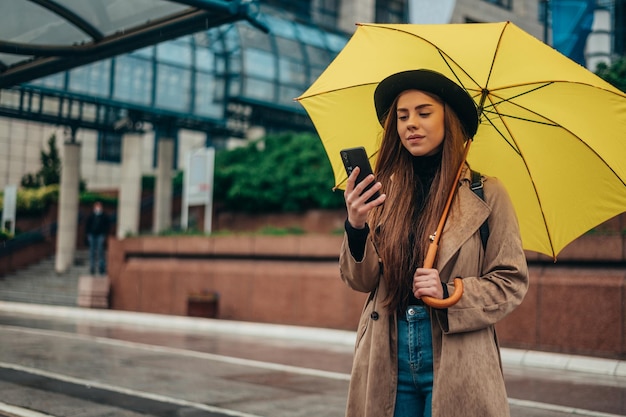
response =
{"points": [[96, 230]]}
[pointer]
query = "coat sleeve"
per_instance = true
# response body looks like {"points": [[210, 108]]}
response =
{"points": [[361, 276], [504, 281]]}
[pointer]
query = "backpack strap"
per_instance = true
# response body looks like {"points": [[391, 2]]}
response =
{"points": [[477, 188]]}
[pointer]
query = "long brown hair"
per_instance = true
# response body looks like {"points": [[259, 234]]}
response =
{"points": [[395, 221]]}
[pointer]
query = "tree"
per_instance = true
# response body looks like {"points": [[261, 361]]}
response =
{"points": [[615, 74], [289, 172], [50, 171]]}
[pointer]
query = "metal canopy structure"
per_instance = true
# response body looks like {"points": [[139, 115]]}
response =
{"points": [[43, 37], [219, 81]]}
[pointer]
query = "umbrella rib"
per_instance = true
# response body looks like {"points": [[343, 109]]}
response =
{"points": [[524, 119], [539, 87], [549, 123], [334, 90], [493, 63], [518, 150], [446, 58]]}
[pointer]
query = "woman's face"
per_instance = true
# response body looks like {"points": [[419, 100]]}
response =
{"points": [[420, 123]]}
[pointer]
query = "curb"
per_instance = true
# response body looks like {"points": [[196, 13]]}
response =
{"points": [[512, 357]]}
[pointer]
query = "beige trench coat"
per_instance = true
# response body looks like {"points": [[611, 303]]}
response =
{"points": [[468, 377]]}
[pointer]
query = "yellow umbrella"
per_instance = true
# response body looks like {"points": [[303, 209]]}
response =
{"points": [[551, 130]]}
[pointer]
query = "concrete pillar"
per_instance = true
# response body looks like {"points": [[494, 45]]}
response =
{"points": [[68, 207], [352, 12], [163, 186], [598, 48], [129, 202]]}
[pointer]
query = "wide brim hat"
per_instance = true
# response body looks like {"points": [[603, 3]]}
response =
{"points": [[432, 82]]}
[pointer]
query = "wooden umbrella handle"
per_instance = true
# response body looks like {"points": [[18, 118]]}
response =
{"points": [[431, 254], [458, 284], [446, 302]]}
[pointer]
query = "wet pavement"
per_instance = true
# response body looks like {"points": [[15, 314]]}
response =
{"points": [[78, 362]]}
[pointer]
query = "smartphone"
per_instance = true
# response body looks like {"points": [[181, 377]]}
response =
{"points": [[357, 157]]}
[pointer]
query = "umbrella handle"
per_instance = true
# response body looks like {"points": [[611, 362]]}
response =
{"points": [[454, 298], [431, 254], [446, 302]]}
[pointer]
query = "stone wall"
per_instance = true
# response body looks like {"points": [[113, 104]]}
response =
{"points": [[269, 279], [577, 305]]}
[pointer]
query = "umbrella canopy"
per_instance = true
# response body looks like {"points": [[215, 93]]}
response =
{"points": [[553, 132]]}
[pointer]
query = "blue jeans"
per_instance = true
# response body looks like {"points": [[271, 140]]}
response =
{"points": [[415, 363], [96, 253]]}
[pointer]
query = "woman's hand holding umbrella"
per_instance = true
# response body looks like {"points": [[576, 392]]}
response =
{"points": [[426, 283]]}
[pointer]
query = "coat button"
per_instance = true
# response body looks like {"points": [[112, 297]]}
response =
{"points": [[374, 316]]}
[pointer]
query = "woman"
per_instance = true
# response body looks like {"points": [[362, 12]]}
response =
{"points": [[410, 359]]}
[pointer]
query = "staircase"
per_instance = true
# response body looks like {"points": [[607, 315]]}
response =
{"points": [[40, 284]]}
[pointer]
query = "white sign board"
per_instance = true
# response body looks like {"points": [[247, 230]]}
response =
{"points": [[9, 208], [198, 185]]}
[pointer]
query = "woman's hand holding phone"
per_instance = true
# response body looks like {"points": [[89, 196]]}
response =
{"points": [[362, 192], [357, 196]]}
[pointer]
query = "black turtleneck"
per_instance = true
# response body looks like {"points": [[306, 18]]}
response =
{"points": [[424, 170]]}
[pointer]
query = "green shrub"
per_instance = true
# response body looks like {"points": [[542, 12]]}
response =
{"points": [[281, 231], [614, 74], [50, 171], [90, 197], [35, 201], [5, 235], [288, 172]]}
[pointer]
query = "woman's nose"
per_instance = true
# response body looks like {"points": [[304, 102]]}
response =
{"points": [[412, 122]]}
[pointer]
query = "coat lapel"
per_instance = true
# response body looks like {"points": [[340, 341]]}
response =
{"points": [[467, 213]]}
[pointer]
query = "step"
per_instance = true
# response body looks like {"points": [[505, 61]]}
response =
{"points": [[39, 298], [40, 283]]}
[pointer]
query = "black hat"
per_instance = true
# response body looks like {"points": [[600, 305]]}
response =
{"points": [[432, 82]]}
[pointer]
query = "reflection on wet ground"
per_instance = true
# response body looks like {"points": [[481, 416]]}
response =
{"points": [[60, 365]]}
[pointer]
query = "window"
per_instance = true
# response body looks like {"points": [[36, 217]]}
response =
{"points": [[620, 28], [92, 79], [298, 9], [392, 11], [176, 53], [259, 63], [259, 90], [542, 11], [324, 13], [507, 4], [173, 87], [133, 79], [109, 147], [209, 96]]}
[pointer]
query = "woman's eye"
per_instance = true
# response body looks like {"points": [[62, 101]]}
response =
{"points": [[403, 117], [424, 114]]}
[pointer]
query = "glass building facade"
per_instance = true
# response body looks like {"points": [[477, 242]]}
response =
{"points": [[220, 81]]}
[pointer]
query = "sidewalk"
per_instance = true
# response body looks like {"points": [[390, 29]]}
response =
{"points": [[237, 368], [510, 357]]}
